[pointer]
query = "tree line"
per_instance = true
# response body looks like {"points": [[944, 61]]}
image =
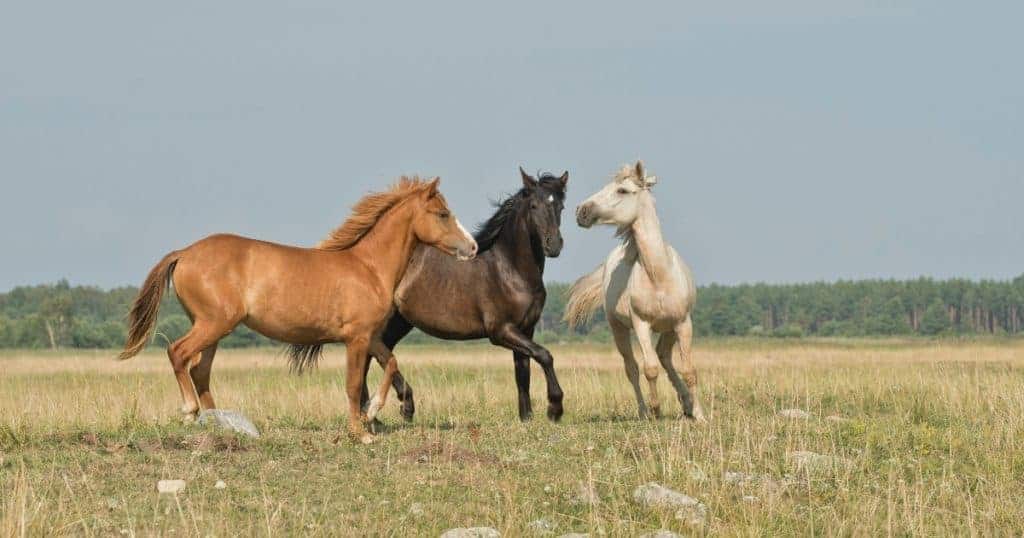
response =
{"points": [[64, 316]]}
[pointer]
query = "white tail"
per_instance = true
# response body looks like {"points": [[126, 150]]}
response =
{"points": [[585, 297]]}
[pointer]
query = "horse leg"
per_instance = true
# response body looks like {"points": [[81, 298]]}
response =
{"points": [[512, 338], [184, 355], [522, 365], [201, 377], [397, 329], [666, 344], [651, 370], [356, 361], [625, 347], [390, 364], [684, 334]]}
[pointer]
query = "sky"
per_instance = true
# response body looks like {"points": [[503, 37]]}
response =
{"points": [[796, 141]]}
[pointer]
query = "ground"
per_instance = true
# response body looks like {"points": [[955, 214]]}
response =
{"points": [[921, 438]]}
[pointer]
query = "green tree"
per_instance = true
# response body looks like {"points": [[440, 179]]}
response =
{"points": [[935, 319]]}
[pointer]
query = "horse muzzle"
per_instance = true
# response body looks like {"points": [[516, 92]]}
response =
{"points": [[585, 215], [553, 247], [467, 252]]}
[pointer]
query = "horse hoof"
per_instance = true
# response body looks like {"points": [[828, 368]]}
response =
{"points": [[555, 414], [376, 426], [367, 438], [408, 410]]}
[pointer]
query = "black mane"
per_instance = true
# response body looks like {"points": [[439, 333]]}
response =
{"points": [[487, 233]]}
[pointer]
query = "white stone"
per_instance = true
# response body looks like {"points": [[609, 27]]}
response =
{"points": [[170, 486], [799, 414], [812, 461], [230, 420], [655, 495], [220, 484]]}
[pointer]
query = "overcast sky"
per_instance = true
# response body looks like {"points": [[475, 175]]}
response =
{"points": [[793, 141]]}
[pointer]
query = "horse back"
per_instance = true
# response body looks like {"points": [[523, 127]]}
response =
{"points": [[463, 300]]}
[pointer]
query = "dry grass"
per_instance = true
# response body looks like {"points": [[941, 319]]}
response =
{"points": [[934, 445]]}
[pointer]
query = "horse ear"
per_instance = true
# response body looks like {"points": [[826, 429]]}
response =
{"points": [[649, 181], [564, 180], [432, 187], [638, 170], [528, 181]]}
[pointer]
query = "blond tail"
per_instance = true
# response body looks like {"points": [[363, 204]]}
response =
{"points": [[585, 297], [142, 318]]}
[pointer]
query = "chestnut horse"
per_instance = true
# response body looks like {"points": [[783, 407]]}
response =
{"points": [[340, 291]]}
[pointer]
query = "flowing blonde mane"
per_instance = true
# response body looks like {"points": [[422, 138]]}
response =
{"points": [[628, 171], [368, 211]]}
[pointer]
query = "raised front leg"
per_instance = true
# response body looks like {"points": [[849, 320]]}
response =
{"points": [[398, 327], [512, 338], [650, 358], [522, 364], [390, 363], [625, 347]]}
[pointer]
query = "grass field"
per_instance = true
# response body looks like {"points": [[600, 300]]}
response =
{"points": [[929, 441]]}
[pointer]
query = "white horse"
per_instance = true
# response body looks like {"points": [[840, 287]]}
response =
{"points": [[644, 286]]}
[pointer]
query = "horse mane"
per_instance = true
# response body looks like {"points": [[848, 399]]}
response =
{"points": [[368, 211], [487, 232], [628, 171]]}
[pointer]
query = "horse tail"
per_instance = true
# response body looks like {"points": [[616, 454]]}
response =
{"points": [[585, 297], [304, 356], [142, 318]]}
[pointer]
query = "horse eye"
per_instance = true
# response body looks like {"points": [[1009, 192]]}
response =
{"points": [[444, 214], [623, 191]]}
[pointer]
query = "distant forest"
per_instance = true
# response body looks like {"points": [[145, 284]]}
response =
{"points": [[63, 316]]}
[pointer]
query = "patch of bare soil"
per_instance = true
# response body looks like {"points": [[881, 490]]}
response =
{"points": [[447, 452]]}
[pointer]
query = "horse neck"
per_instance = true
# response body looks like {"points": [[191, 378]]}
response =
{"points": [[516, 242], [388, 246], [646, 235]]}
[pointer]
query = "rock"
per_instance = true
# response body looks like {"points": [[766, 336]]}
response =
{"points": [[471, 532], [749, 499], [170, 486], [584, 494], [797, 414], [416, 509], [220, 484], [662, 533], [541, 526], [812, 461], [655, 495], [230, 420]]}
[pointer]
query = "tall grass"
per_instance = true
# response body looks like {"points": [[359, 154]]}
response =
{"points": [[925, 439]]}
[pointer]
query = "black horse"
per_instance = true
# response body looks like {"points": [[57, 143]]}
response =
{"points": [[498, 295]]}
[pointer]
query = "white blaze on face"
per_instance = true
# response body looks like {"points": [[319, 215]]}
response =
{"points": [[551, 198], [467, 236]]}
